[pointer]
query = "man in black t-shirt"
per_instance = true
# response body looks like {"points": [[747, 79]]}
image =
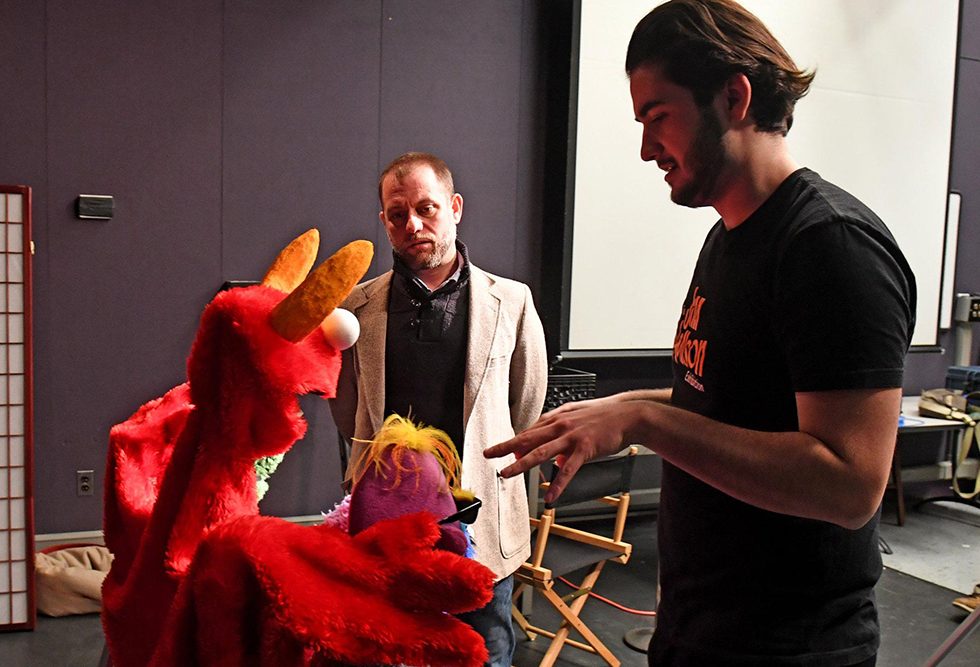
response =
{"points": [[778, 432]]}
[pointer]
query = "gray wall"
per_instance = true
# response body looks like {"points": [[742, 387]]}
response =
{"points": [[225, 127]]}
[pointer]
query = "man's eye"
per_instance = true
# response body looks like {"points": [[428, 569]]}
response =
{"points": [[427, 209], [396, 216]]}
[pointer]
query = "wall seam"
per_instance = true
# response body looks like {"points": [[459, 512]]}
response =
{"points": [[221, 143], [381, 60], [514, 260]]}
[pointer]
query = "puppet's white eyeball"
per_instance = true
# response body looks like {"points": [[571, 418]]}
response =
{"points": [[341, 328]]}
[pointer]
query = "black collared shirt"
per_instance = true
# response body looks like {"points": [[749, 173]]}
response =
{"points": [[425, 348]]}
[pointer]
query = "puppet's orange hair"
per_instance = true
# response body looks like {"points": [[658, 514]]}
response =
{"points": [[401, 435]]}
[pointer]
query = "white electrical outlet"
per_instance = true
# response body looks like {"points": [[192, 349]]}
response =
{"points": [[84, 482]]}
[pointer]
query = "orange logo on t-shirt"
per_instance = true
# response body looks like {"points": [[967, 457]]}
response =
{"points": [[690, 352]]}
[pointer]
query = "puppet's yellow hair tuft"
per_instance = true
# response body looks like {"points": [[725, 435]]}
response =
{"points": [[400, 435]]}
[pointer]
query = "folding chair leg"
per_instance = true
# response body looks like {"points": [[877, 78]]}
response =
{"points": [[523, 623], [518, 615], [962, 632], [575, 608], [561, 637], [571, 621], [519, 587]]}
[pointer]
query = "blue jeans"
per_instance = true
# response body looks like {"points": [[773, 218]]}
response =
{"points": [[493, 622]]}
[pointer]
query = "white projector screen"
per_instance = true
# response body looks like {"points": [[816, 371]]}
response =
{"points": [[877, 121]]}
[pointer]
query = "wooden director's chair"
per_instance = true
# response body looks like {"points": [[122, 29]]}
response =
{"points": [[558, 550]]}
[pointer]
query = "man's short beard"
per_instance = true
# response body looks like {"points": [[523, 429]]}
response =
{"points": [[705, 161], [429, 260]]}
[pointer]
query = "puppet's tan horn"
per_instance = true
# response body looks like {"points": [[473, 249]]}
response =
{"points": [[323, 290], [294, 262]]}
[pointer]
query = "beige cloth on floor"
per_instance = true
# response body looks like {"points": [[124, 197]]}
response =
{"points": [[69, 581]]}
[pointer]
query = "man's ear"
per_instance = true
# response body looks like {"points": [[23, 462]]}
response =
{"points": [[381, 216], [457, 204], [738, 97]]}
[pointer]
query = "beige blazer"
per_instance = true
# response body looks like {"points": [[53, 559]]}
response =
{"points": [[505, 384]]}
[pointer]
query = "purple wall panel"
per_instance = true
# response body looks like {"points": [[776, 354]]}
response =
{"points": [[529, 225], [966, 173], [970, 32], [22, 122], [133, 101], [301, 89], [300, 119], [223, 130], [23, 128], [451, 84]]}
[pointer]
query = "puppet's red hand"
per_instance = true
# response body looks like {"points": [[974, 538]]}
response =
{"points": [[422, 577], [268, 592]]}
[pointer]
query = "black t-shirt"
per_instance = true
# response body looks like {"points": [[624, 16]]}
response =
{"points": [[810, 293]]}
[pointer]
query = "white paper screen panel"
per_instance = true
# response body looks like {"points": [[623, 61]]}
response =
{"points": [[16, 516], [877, 121]]}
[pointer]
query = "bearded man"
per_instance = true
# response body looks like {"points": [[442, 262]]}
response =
{"points": [[453, 347]]}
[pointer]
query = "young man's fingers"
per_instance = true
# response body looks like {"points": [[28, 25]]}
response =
{"points": [[541, 453], [520, 445]]}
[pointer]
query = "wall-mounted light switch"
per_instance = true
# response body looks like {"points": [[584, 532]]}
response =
{"points": [[94, 207]]}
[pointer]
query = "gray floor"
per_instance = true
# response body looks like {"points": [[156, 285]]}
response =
{"points": [[916, 614], [945, 552]]}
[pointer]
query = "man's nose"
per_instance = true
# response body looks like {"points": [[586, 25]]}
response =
{"points": [[649, 147], [414, 224]]}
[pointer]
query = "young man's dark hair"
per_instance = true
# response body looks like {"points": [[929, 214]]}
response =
{"points": [[700, 43]]}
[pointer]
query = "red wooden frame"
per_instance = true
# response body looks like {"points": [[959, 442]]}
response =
{"points": [[18, 589]]}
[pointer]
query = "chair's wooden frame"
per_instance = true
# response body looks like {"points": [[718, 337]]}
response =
{"points": [[532, 574]]}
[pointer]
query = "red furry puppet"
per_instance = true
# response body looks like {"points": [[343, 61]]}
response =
{"points": [[199, 578]]}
